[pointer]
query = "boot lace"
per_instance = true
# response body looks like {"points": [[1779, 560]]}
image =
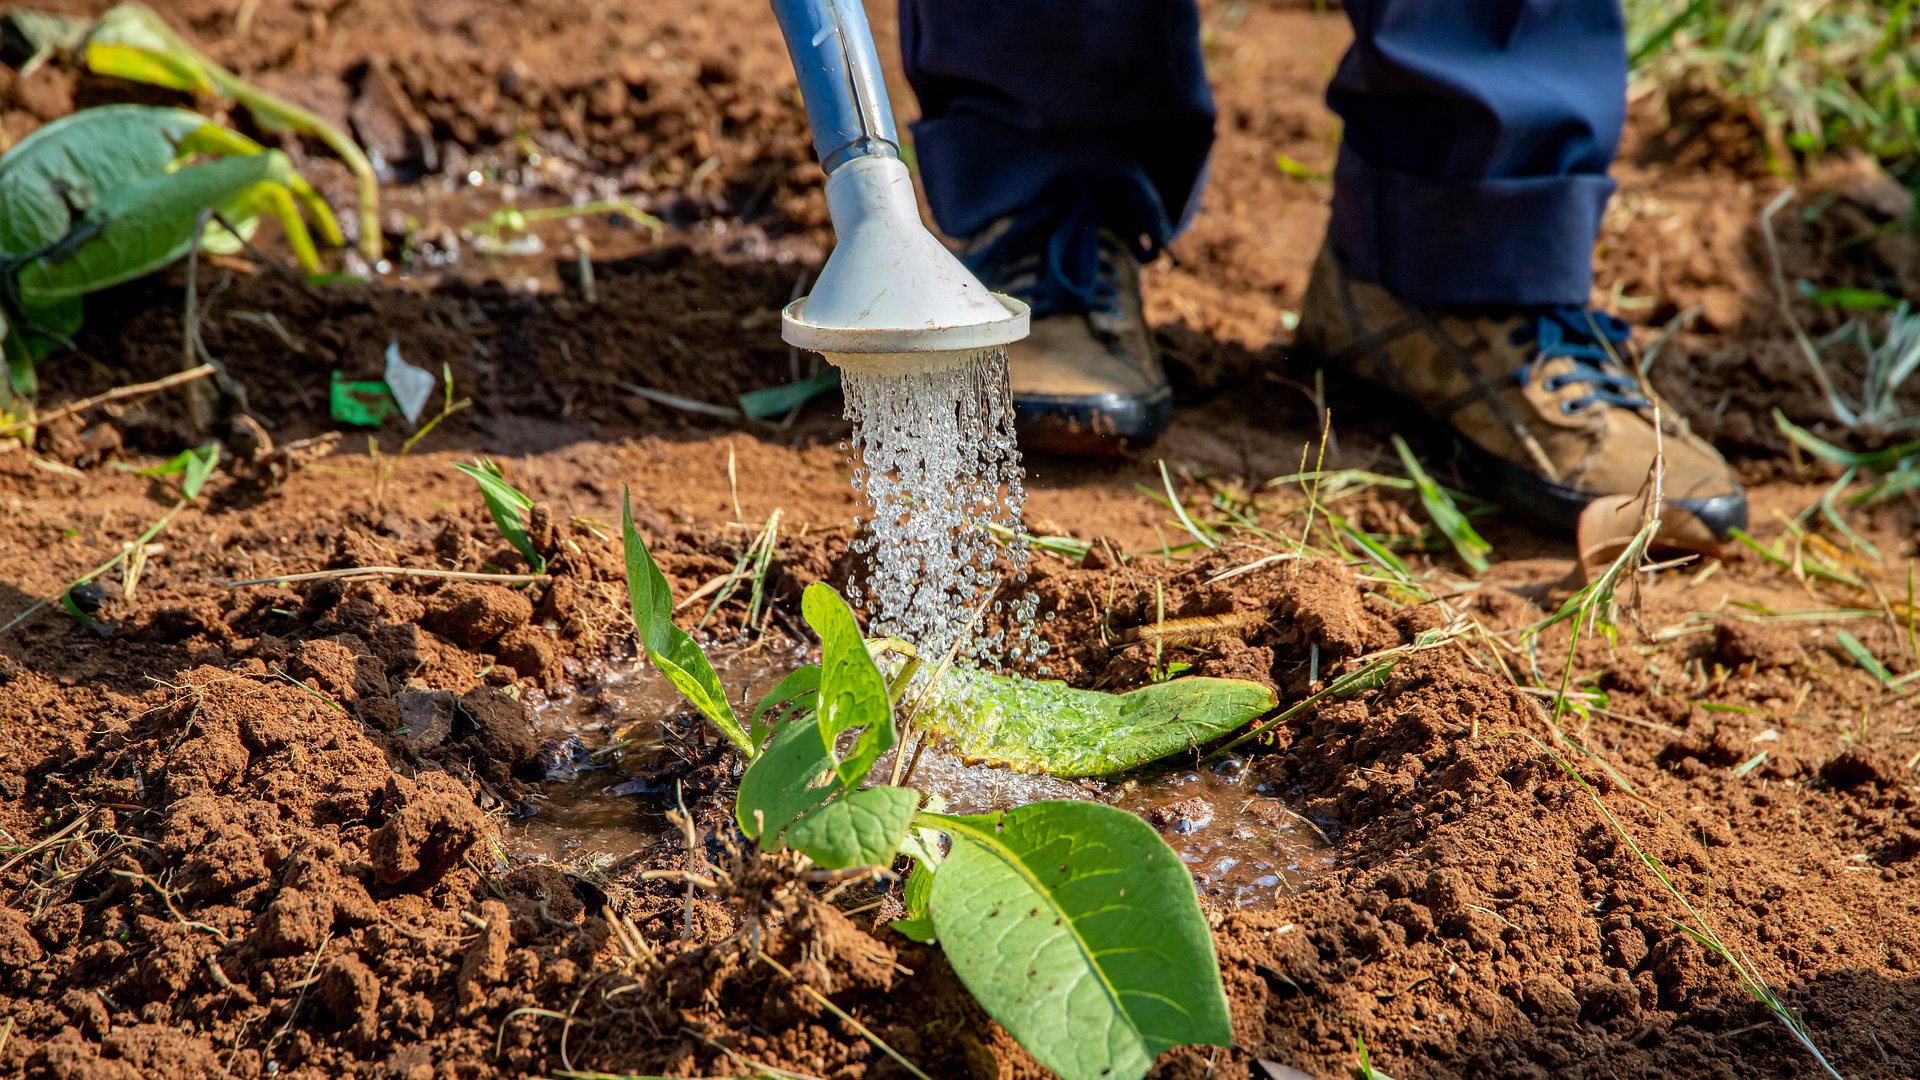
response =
{"points": [[1593, 340], [1055, 254]]}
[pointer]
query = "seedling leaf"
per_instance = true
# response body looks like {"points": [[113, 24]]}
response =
{"points": [[852, 693], [506, 503], [1077, 929], [192, 466], [1053, 728], [760, 404], [793, 774], [863, 829], [799, 690], [1860, 655], [672, 649], [1879, 460]]}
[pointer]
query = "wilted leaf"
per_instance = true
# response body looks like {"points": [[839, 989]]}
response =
{"points": [[1053, 728]]}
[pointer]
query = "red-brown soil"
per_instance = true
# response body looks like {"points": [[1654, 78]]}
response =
{"points": [[254, 831]]}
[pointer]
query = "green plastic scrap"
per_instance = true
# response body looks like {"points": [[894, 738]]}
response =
{"points": [[366, 404]]}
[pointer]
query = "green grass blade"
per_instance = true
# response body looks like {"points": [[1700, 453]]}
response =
{"points": [[1468, 544]]}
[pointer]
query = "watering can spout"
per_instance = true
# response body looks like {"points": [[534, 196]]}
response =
{"points": [[892, 299]]}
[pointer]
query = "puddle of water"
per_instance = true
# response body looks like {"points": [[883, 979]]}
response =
{"points": [[613, 749]]}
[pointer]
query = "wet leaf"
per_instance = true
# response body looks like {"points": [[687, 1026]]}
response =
{"points": [[1076, 927], [863, 829], [1050, 727], [672, 649], [800, 691], [853, 696]]}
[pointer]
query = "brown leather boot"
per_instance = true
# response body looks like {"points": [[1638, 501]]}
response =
{"points": [[1087, 380], [1539, 399]]}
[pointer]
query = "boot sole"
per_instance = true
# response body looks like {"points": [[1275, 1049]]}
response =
{"points": [[1559, 506], [1095, 425]]}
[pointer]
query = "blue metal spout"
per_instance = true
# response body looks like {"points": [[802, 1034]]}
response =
{"points": [[839, 70]]}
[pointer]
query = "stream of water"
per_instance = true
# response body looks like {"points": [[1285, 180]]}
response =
{"points": [[611, 760], [934, 453]]}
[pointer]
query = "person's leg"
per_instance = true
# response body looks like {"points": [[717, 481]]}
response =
{"points": [[1061, 140], [1017, 95], [1458, 268], [1478, 135]]}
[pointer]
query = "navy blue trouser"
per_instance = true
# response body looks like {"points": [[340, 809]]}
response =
{"points": [[1477, 132]]}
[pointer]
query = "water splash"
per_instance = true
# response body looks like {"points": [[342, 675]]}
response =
{"points": [[934, 453]]}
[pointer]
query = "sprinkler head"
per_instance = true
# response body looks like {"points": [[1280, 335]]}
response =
{"points": [[892, 300]]}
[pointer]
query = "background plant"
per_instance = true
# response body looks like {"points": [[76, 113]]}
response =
{"points": [[108, 195], [1818, 75]]}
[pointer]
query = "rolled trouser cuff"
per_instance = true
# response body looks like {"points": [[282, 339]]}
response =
{"points": [[978, 169], [1506, 242]]}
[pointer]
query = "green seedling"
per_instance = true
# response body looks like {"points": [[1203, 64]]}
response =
{"points": [[506, 504], [384, 468], [108, 195], [779, 400], [1876, 413], [1072, 923], [131, 42], [1446, 516], [1067, 547], [1298, 169], [1860, 655], [490, 232], [191, 466]]}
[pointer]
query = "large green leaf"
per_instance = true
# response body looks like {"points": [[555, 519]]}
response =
{"points": [[77, 160], [863, 829], [141, 226], [853, 695], [672, 649], [1051, 727], [1076, 927]]}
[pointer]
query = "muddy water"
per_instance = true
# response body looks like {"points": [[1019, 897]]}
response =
{"points": [[613, 749]]}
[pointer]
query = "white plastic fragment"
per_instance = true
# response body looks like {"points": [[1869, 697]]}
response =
{"points": [[411, 386]]}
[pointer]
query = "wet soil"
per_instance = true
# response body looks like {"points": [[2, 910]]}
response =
{"points": [[264, 830]]}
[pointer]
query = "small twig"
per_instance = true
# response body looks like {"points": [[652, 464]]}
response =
{"points": [[352, 573], [675, 401], [865, 1032], [305, 984], [118, 393], [167, 899], [85, 816]]}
